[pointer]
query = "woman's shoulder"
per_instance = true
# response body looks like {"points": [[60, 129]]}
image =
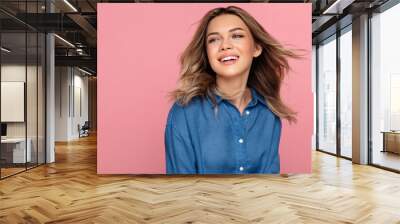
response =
{"points": [[179, 111], [194, 102]]}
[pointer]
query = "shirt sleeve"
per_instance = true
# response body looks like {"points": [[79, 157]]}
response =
{"points": [[276, 136], [180, 156]]}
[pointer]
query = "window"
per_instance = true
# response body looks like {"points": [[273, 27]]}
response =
{"points": [[346, 75], [327, 95], [385, 89]]}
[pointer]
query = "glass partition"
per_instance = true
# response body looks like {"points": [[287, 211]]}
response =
{"points": [[32, 95], [13, 110], [22, 88], [327, 95], [41, 85]]}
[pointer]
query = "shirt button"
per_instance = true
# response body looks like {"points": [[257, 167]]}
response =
{"points": [[241, 168], [240, 140], [247, 112]]}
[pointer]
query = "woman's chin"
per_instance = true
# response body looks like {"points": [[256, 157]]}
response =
{"points": [[228, 75]]}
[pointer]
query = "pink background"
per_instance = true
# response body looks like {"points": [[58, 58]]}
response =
{"points": [[138, 49]]}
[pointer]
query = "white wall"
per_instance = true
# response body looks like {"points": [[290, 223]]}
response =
{"points": [[61, 103], [71, 93], [12, 73], [81, 100], [17, 73]]}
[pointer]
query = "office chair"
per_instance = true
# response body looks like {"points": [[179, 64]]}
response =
{"points": [[84, 130]]}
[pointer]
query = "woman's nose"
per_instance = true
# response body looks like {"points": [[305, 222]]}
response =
{"points": [[226, 45]]}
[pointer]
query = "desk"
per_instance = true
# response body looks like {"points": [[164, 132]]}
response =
{"points": [[391, 141], [15, 148]]}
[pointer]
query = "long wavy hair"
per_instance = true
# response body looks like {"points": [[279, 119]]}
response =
{"points": [[266, 73]]}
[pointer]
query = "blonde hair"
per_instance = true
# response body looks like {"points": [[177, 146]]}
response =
{"points": [[266, 73]]}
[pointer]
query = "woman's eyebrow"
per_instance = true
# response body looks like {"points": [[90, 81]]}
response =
{"points": [[231, 30]]}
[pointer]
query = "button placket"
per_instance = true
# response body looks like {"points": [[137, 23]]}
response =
{"points": [[242, 146]]}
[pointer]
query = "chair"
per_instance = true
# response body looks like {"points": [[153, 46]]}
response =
{"points": [[84, 130]]}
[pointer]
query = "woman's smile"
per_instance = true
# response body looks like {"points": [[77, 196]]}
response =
{"points": [[229, 60]]}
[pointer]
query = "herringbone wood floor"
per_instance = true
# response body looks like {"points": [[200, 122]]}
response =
{"points": [[70, 191]]}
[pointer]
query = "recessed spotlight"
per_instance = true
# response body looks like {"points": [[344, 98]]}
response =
{"points": [[64, 40], [84, 71], [5, 50], [71, 6]]}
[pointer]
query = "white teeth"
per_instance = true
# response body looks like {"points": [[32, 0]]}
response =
{"points": [[229, 58]]}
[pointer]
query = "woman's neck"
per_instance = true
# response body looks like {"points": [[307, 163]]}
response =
{"points": [[236, 90]]}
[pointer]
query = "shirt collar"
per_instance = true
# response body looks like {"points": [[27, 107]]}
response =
{"points": [[256, 97]]}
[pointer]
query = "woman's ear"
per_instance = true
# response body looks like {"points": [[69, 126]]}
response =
{"points": [[257, 51]]}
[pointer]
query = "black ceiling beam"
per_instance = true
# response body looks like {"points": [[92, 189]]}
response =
{"points": [[91, 5], [84, 61], [332, 28], [158, 1], [11, 25], [44, 22], [88, 51]]}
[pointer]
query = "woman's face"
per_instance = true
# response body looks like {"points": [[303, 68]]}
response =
{"points": [[230, 46]]}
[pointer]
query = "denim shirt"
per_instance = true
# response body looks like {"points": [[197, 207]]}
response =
{"points": [[203, 139]]}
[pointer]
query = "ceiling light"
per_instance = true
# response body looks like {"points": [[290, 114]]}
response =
{"points": [[70, 5], [329, 9], [5, 49], [337, 7], [84, 71], [64, 40]]}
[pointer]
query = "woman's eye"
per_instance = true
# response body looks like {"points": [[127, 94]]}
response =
{"points": [[237, 36], [211, 40]]}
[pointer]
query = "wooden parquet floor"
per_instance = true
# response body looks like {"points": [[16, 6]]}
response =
{"points": [[70, 191]]}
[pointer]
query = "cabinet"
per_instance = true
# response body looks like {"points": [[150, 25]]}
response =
{"points": [[13, 150], [391, 141]]}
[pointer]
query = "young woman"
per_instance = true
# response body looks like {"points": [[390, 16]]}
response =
{"points": [[227, 112]]}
